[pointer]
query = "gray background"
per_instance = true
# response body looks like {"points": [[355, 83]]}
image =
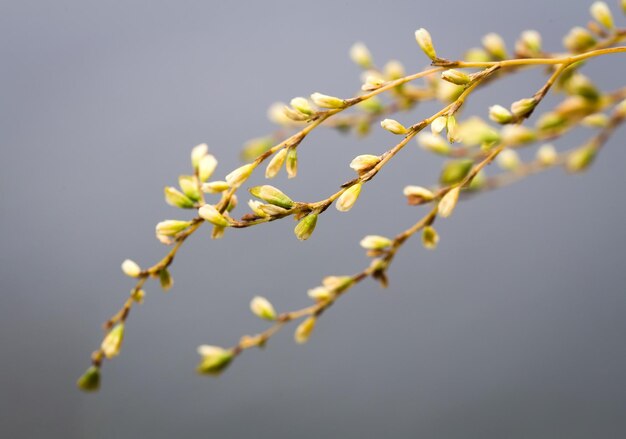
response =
{"points": [[513, 328]]}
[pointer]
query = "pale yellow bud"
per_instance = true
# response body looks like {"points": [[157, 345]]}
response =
{"points": [[360, 55], [209, 213], [364, 163], [596, 120], [262, 308], [304, 329], [602, 14], [275, 164], [439, 124], [305, 227], [175, 198], [393, 126], [325, 101], [276, 114], [138, 295], [494, 44], [372, 82], [190, 187], [578, 39], [337, 284], [430, 238], [320, 294], [448, 202], [112, 343], [239, 175], [291, 165], [375, 242], [547, 155], [523, 107], [476, 54], [448, 92], [394, 70], [509, 160], [424, 40], [499, 114], [171, 227], [206, 167], [434, 143], [272, 210], [256, 208], [253, 148], [455, 171], [348, 198], [474, 131], [197, 153], [131, 268], [215, 187], [417, 194], [302, 105], [271, 195], [456, 77], [517, 135], [529, 42]]}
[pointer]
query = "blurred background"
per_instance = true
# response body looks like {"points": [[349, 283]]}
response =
{"points": [[513, 328]]}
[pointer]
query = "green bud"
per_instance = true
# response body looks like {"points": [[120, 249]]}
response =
{"points": [[166, 279], [90, 380], [305, 227], [189, 185], [456, 77], [602, 14], [550, 121], [212, 215], [578, 40], [112, 343], [371, 105], [291, 165], [499, 114], [214, 360], [424, 40], [262, 308], [271, 195], [175, 198], [430, 238], [580, 159], [523, 107], [455, 171]]}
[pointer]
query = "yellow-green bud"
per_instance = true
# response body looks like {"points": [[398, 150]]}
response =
{"points": [[517, 135], [218, 232], [424, 40], [448, 92], [438, 125], [291, 165], [580, 85], [494, 44], [602, 14], [209, 213], [348, 198], [364, 163], [478, 182], [550, 121], [452, 128], [215, 187], [430, 237], [276, 113], [271, 195], [476, 54], [434, 143], [529, 42], [578, 39], [189, 186], [138, 295], [131, 268], [206, 167], [197, 153], [302, 105], [580, 159], [239, 175], [547, 155], [304, 329], [372, 82], [320, 294], [262, 308], [620, 109], [275, 164], [394, 70], [509, 160], [523, 107], [325, 101], [214, 359], [371, 105], [596, 120], [90, 380], [175, 198], [304, 229], [499, 114], [474, 131], [455, 171], [375, 242], [417, 194], [360, 55], [166, 280], [294, 115], [448, 202], [171, 227], [337, 283], [255, 147], [456, 77], [112, 343]]}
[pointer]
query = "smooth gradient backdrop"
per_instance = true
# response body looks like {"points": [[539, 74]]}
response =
{"points": [[514, 328]]}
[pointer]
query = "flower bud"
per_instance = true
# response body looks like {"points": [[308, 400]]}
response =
{"points": [[325, 101], [448, 202], [209, 213], [175, 198], [360, 55], [271, 195], [580, 159], [499, 114], [434, 143], [455, 171], [255, 147], [189, 185], [347, 199], [165, 278], [364, 163], [276, 163], [474, 131], [438, 125], [456, 77], [90, 380], [215, 187], [197, 153], [494, 44], [529, 42], [214, 359], [424, 40], [580, 85], [302, 105], [550, 122], [171, 227], [394, 70], [523, 107], [547, 155], [417, 195], [262, 308], [596, 120], [320, 294], [305, 227], [602, 14], [375, 242], [112, 343], [337, 284], [291, 165], [276, 114], [206, 167], [393, 126], [239, 175], [138, 295], [517, 135], [578, 40], [508, 160], [477, 54], [430, 237], [372, 82], [294, 115], [218, 232], [131, 268], [304, 329]]}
